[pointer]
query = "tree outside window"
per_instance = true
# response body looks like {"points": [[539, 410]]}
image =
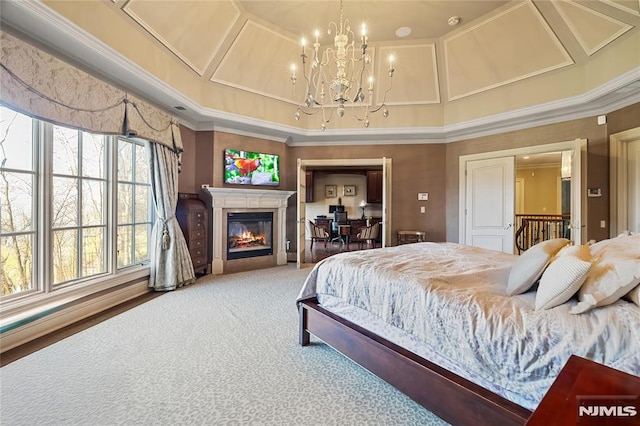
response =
{"points": [[56, 187]]}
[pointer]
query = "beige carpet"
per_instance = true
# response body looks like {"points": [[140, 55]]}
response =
{"points": [[220, 352]]}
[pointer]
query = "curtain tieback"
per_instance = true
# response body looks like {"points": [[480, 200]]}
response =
{"points": [[166, 239]]}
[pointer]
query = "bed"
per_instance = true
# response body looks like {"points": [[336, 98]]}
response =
{"points": [[437, 321]]}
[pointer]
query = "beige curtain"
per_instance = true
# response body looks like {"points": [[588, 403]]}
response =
{"points": [[45, 87], [171, 265], [145, 121], [42, 86]]}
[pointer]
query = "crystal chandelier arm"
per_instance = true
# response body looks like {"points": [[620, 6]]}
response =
{"points": [[384, 97], [337, 73], [305, 112]]}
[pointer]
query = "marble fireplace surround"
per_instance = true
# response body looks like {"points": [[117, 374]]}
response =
{"points": [[224, 200]]}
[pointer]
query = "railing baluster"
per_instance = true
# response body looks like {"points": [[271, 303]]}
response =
{"points": [[532, 229]]}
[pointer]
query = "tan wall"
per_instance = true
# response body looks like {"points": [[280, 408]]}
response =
{"points": [[431, 168], [415, 168], [320, 205], [597, 162], [187, 178], [540, 189], [197, 160]]}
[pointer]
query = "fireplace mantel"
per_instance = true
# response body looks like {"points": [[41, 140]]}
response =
{"points": [[252, 199], [248, 198]]}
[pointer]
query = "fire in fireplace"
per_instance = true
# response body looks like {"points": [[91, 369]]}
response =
{"points": [[249, 234]]}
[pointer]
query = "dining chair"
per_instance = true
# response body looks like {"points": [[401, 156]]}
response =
{"points": [[317, 233], [368, 234]]}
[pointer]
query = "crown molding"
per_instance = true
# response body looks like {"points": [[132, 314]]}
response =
{"points": [[38, 22]]}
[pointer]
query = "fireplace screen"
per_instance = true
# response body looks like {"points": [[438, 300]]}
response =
{"points": [[249, 234]]}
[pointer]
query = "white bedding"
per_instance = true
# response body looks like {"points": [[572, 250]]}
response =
{"points": [[452, 298]]}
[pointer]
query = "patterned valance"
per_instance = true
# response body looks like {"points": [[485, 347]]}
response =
{"points": [[45, 87]]}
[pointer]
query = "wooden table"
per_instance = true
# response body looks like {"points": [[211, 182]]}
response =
{"points": [[591, 385], [344, 231], [406, 237]]}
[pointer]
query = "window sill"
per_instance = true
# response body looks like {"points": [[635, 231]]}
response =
{"points": [[19, 312]]}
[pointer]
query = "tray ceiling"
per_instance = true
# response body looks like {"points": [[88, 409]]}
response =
{"points": [[483, 53], [249, 45]]}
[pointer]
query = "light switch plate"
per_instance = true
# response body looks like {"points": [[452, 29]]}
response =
{"points": [[594, 192], [423, 196]]}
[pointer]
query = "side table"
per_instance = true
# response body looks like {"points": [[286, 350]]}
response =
{"points": [[407, 237]]}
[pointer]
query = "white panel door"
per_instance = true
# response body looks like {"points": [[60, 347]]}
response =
{"points": [[490, 203], [301, 214]]}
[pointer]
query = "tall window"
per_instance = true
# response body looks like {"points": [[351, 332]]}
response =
{"points": [[134, 214], [17, 212], [79, 209], [57, 186]]}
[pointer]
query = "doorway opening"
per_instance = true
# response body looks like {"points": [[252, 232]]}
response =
{"points": [[346, 191], [543, 198], [624, 158], [488, 181]]}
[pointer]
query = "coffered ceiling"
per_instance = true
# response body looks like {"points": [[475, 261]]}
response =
{"points": [[226, 62]]}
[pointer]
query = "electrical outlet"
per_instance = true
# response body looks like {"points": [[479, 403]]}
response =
{"points": [[603, 224], [423, 209]]}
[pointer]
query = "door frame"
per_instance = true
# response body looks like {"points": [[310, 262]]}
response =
{"points": [[384, 162], [618, 179], [578, 203]]}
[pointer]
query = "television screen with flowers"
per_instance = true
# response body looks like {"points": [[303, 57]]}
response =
{"points": [[251, 168]]}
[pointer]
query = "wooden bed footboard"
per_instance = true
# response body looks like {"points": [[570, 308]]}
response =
{"points": [[447, 395]]}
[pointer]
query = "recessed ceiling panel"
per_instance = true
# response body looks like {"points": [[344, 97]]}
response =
{"points": [[629, 6], [415, 79], [592, 29], [492, 53], [259, 61], [192, 30], [426, 18]]}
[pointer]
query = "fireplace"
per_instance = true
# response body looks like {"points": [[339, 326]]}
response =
{"points": [[249, 234], [222, 202]]}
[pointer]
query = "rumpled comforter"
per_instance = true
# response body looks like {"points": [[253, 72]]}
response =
{"points": [[452, 298]]}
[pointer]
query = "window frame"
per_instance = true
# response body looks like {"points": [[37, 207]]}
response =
{"points": [[150, 203], [44, 294]]}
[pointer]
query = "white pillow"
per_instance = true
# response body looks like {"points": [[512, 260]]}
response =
{"points": [[580, 251], [599, 247], [615, 273], [531, 264], [560, 281], [634, 295]]}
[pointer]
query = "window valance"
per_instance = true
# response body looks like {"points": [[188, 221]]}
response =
{"points": [[45, 87]]}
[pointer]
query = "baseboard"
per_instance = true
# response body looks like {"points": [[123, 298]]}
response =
{"points": [[72, 314]]}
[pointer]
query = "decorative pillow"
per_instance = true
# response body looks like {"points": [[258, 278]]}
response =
{"points": [[561, 280], [580, 251], [616, 273], [531, 264], [634, 295], [622, 238]]}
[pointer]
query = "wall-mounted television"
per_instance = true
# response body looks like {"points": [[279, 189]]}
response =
{"points": [[251, 168]]}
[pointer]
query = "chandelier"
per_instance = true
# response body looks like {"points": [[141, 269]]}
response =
{"points": [[345, 88]]}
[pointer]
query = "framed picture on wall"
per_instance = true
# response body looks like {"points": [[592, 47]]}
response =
{"points": [[349, 190], [330, 191]]}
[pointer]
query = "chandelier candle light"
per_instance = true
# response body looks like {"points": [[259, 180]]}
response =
{"points": [[346, 86]]}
